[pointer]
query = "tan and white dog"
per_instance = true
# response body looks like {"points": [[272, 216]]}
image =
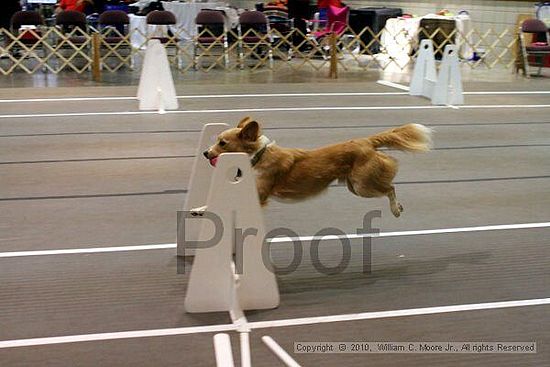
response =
{"points": [[296, 174]]}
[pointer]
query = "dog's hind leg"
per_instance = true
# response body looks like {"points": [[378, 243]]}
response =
{"points": [[395, 206], [350, 187], [374, 179]]}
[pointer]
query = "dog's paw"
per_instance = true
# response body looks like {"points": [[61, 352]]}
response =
{"points": [[198, 212], [396, 210]]}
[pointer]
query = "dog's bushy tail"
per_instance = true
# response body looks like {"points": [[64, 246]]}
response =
{"points": [[410, 138]]}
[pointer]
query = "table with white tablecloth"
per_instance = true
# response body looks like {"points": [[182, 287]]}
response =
{"points": [[138, 30], [400, 36], [185, 27]]}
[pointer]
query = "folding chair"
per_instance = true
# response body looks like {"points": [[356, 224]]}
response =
{"points": [[255, 36], [26, 18], [68, 20], [282, 29], [161, 21], [113, 26], [73, 36], [211, 32], [30, 37], [538, 50], [336, 22]]}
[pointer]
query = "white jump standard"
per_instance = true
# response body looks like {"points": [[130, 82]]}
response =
{"points": [[216, 282], [442, 89], [156, 90]]}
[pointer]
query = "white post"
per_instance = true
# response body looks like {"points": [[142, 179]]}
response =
{"points": [[424, 74], [222, 349], [245, 349], [448, 89]]}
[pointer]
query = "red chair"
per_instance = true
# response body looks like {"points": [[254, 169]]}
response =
{"points": [[538, 50], [337, 22], [27, 18], [30, 39]]}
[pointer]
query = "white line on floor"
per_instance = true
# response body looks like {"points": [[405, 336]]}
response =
{"points": [[393, 85], [205, 96], [68, 99], [271, 109], [351, 236], [273, 324], [92, 250], [263, 95], [398, 313], [279, 352], [115, 335], [499, 227]]}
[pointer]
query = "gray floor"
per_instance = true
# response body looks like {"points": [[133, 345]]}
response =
{"points": [[117, 179]]}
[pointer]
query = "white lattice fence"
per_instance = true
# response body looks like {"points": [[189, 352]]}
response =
{"points": [[52, 50]]}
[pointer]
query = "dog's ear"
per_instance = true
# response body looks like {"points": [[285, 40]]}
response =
{"points": [[243, 122], [250, 131]]}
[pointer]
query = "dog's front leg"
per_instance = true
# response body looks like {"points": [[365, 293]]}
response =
{"points": [[264, 186], [263, 197]]}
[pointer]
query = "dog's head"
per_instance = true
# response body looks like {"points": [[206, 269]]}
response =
{"points": [[243, 138]]}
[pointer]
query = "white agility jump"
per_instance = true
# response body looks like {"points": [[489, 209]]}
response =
{"points": [[442, 89], [215, 282], [156, 89]]}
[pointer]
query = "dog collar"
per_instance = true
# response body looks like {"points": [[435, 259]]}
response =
{"points": [[260, 152]]}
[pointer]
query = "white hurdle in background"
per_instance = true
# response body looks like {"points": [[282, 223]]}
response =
{"points": [[156, 89], [442, 89], [424, 74], [448, 89]]}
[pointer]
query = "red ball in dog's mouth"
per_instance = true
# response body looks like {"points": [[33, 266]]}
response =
{"points": [[213, 161]]}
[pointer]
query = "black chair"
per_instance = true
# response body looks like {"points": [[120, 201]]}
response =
{"points": [[162, 20], [73, 37], [112, 20], [161, 17], [74, 24], [114, 26], [254, 35], [538, 50], [28, 38], [27, 18], [211, 32], [282, 29]]}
